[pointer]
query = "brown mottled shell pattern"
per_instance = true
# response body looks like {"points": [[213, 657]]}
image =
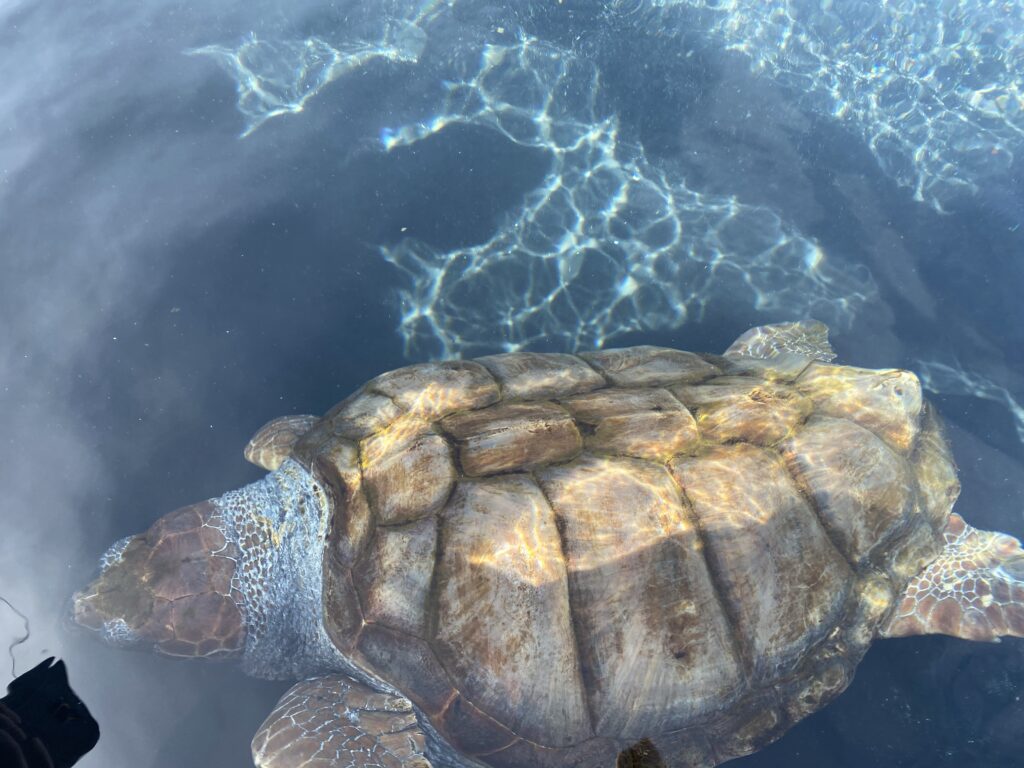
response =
{"points": [[555, 556]]}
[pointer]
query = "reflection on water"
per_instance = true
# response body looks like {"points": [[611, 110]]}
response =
{"points": [[609, 243], [944, 379], [936, 90], [940, 104], [278, 77]]}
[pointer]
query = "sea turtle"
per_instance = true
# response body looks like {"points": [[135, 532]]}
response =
{"points": [[636, 556]]}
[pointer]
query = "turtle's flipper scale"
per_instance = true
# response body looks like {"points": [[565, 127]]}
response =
{"points": [[973, 590], [337, 722], [807, 338]]}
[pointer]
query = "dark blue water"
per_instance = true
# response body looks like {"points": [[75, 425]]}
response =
{"points": [[464, 179]]}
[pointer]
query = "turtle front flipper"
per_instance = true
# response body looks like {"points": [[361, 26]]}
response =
{"points": [[337, 721], [973, 590], [273, 442], [807, 338]]}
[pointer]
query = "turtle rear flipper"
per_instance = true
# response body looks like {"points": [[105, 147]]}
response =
{"points": [[335, 720], [273, 442], [973, 590]]}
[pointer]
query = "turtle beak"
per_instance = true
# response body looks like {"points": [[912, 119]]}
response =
{"points": [[116, 604], [169, 587]]}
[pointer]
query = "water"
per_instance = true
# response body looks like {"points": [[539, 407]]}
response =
{"points": [[210, 217]]}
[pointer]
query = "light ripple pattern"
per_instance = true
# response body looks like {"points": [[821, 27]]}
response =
{"points": [[608, 243], [278, 77], [935, 87], [944, 379]]}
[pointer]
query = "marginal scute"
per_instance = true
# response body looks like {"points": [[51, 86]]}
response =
{"points": [[336, 469], [654, 645], [588, 754], [786, 366], [760, 722], [512, 437], [409, 662], [807, 694], [393, 577], [342, 617], [913, 550], [472, 731], [645, 423], [731, 410], [649, 366], [862, 488], [504, 624], [935, 471], [311, 444], [433, 390], [408, 471], [874, 600], [361, 414], [887, 402], [272, 443], [687, 747], [534, 376], [781, 578]]}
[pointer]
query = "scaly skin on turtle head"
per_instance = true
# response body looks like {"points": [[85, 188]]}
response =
{"points": [[170, 588], [238, 576]]}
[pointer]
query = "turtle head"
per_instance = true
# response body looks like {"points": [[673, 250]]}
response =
{"points": [[169, 588], [235, 576]]}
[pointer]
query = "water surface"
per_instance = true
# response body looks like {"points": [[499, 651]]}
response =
{"points": [[213, 216]]}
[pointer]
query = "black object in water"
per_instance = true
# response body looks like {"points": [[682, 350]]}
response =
{"points": [[43, 724]]}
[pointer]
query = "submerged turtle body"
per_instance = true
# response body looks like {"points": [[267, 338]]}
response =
{"points": [[555, 556], [630, 557]]}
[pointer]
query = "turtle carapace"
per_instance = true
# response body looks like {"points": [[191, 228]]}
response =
{"points": [[633, 556]]}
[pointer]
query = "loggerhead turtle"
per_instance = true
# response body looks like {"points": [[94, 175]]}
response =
{"points": [[634, 556]]}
